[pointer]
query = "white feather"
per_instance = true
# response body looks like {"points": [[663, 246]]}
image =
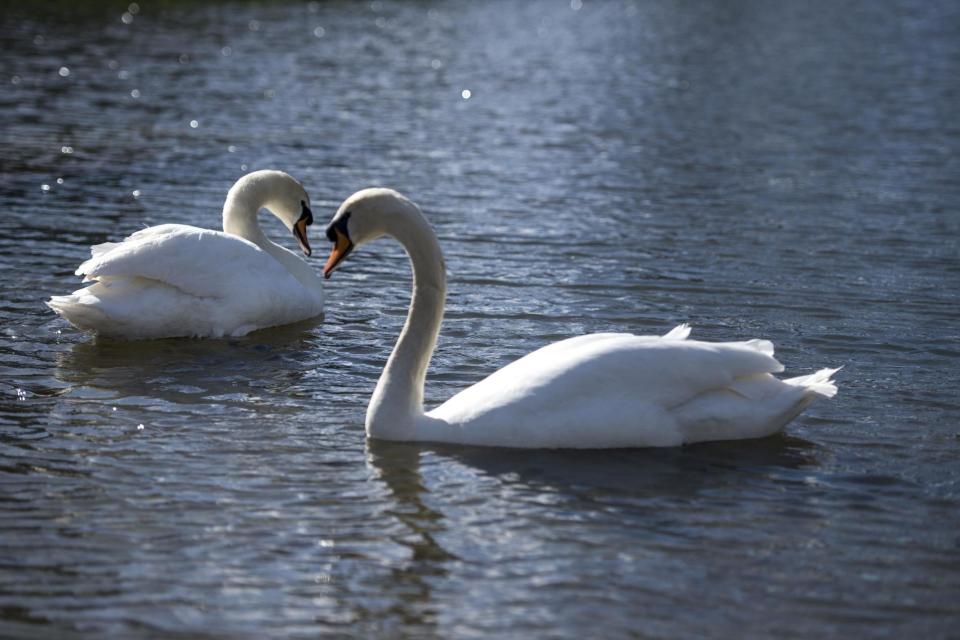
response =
{"points": [[179, 280], [594, 391]]}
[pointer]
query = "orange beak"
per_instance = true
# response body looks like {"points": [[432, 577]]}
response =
{"points": [[341, 248], [300, 233]]}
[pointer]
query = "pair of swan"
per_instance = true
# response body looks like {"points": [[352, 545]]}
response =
{"points": [[601, 390]]}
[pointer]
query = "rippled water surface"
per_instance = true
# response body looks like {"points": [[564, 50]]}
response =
{"points": [[776, 169]]}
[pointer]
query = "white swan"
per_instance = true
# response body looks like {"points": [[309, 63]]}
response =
{"points": [[178, 280], [595, 391]]}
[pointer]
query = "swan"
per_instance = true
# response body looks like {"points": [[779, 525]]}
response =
{"points": [[602, 390], [177, 280]]}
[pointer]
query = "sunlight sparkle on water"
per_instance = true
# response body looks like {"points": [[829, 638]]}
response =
{"points": [[64, 72], [66, 149], [194, 124], [465, 94], [319, 32], [135, 93], [126, 18]]}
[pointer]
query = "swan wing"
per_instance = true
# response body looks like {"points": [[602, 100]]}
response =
{"points": [[600, 390], [199, 262], [178, 280]]}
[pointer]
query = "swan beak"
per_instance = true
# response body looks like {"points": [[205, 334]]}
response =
{"points": [[341, 247], [300, 233]]}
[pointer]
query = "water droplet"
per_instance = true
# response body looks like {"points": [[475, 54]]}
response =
{"points": [[59, 180], [319, 32], [436, 63], [465, 94], [381, 23], [45, 187], [313, 7], [226, 51], [576, 5], [113, 64], [232, 148], [194, 124], [140, 427], [38, 40], [243, 167], [66, 149], [134, 8], [123, 74], [15, 80], [135, 93], [126, 18], [136, 193], [184, 58], [253, 25], [64, 72]]}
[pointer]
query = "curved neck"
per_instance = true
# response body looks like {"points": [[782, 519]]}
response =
{"points": [[244, 201], [397, 402]]}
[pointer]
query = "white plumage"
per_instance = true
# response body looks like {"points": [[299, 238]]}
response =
{"points": [[178, 280], [594, 391]]}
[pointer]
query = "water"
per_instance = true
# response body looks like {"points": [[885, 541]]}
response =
{"points": [[771, 169]]}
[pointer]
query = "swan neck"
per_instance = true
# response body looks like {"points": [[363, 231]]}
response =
{"points": [[397, 403], [240, 210], [251, 193]]}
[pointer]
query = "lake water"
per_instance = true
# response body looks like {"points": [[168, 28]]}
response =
{"points": [[758, 169]]}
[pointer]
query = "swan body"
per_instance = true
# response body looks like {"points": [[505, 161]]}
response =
{"points": [[179, 280], [601, 390]]}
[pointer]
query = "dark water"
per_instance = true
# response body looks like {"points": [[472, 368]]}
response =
{"points": [[759, 169]]}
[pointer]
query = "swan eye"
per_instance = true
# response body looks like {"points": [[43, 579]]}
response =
{"points": [[340, 225], [306, 213]]}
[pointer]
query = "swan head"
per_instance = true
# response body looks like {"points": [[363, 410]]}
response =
{"points": [[364, 217], [282, 195], [289, 202]]}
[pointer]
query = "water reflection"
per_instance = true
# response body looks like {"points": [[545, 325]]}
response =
{"points": [[127, 366], [674, 472], [398, 466]]}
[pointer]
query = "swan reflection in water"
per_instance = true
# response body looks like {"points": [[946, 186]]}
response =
{"points": [[272, 359], [476, 504]]}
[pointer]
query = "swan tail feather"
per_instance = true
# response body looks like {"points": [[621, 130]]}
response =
{"points": [[679, 332], [820, 382], [763, 346], [72, 309], [102, 248]]}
